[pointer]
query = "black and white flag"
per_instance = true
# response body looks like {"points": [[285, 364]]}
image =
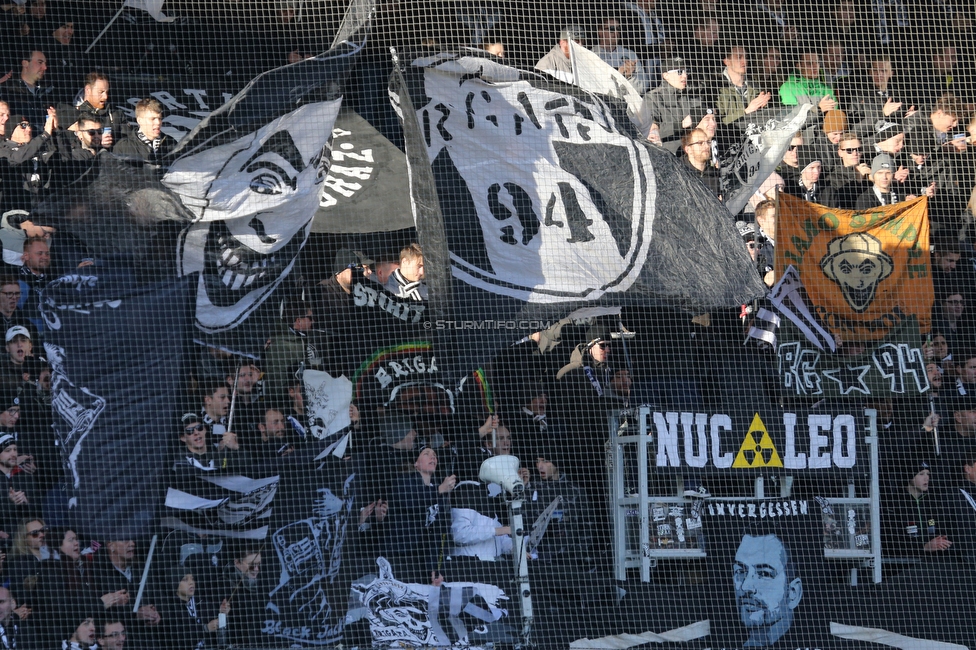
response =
{"points": [[115, 377], [307, 605], [750, 161], [253, 199], [547, 200], [455, 614], [252, 172], [222, 505], [789, 298]]}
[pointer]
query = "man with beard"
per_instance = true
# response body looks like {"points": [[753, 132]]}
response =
{"points": [[95, 106], [247, 393], [33, 278], [704, 118], [698, 159], [767, 588], [278, 442], [81, 152]]}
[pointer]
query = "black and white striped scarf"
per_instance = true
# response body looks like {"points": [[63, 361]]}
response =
{"points": [[408, 289], [152, 144]]}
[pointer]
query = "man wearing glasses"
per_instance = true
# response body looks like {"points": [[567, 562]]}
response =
{"points": [[80, 163], [10, 316], [850, 178], [197, 455], [698, 158], [609, 49], [670, 105], [112, 636], [89, 134], [789, 169], [26, 175]]}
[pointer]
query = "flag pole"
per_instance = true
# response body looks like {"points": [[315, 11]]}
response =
{"points": [[145, 575], [233, 396], [572, 63], [102, 33], [230, 415]]}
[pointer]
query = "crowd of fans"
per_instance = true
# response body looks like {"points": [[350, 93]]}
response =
{"points": [[889, 124]]}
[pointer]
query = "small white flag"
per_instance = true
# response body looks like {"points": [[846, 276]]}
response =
{"points": [[593, 74], [153, 7], [328, 402]]}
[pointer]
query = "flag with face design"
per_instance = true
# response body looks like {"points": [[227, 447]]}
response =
{"points": [[251, 174]]}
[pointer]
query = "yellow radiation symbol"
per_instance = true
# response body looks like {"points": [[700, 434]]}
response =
{"points": [[752, 454]]}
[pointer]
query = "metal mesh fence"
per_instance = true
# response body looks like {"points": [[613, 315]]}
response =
{"points": [[487, 324]]}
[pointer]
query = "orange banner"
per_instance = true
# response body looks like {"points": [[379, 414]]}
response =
{"points": [[863, 272]]}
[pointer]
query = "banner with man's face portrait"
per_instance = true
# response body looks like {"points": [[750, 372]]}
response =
{"points": [[864, 273], [767, 575]]}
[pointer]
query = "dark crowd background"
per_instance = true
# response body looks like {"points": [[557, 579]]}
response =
{"points": [[894, 84]]}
